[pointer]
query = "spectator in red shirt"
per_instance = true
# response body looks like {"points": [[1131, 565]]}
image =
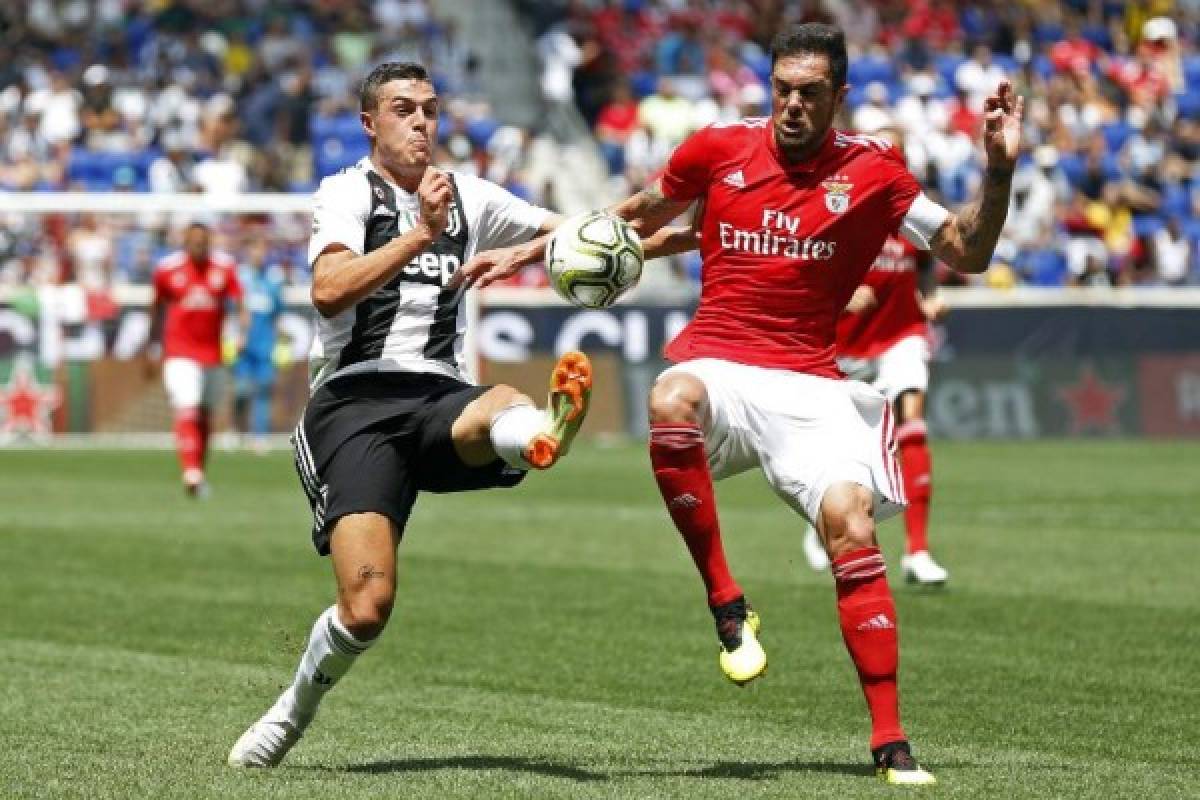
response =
{"points": [[1074, 54], [619, 116]]}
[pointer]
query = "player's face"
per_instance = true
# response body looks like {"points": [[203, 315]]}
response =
{"points": [[404, 124], [803, 103], [195, 242]]}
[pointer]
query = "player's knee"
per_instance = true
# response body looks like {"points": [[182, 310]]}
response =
{"points": [[365, 613], [476, 419], [909, 406], [848, 518], [677, 398]]}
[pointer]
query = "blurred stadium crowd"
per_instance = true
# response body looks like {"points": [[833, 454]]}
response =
{"points": [[216, 96], [1109, 190], [233, 96]]}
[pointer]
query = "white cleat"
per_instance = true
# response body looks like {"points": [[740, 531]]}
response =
{"points": [[814, 551], [920, 568], [264, 744]]}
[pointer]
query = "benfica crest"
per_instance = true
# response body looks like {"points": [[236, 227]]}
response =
{"points": [[837, 193]]}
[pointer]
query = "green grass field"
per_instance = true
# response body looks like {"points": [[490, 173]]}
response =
{"points": [[553, 641]]}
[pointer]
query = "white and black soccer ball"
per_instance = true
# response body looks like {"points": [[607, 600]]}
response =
{"points": [[593, 259]]}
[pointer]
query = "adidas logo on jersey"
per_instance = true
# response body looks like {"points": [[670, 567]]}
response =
{"points": [[879, 622], [685, 500], [735, 179]]}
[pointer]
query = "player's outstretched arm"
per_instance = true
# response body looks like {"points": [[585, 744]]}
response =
{"points": [[649, 210], [967, 239], [670, 241], [488, 266]]}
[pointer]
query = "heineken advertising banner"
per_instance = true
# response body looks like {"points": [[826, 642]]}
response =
{"points": [[68, 364]]}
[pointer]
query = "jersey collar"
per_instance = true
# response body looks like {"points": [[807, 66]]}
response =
{"points": [[804, 167]]}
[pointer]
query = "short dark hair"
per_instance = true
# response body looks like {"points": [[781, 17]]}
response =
{"points": [[814, 37], [368, 93]]}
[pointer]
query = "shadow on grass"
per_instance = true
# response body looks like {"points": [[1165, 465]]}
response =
{"points": [[758, 770], [507, 763]]}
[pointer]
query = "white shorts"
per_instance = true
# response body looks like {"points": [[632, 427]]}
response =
{"points": [[190, 384], [901, 368], [805, 432]]}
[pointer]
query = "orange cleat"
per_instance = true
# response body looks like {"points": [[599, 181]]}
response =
{"points": [[570, 392]]}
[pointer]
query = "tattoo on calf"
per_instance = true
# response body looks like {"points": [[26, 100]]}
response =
{"points": [[367, 571]]}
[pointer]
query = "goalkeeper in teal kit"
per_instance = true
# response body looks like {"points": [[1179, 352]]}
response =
{"points": [[254, 370]]}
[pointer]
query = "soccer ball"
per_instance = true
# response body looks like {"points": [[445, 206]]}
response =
{"points": [[593, 259]]}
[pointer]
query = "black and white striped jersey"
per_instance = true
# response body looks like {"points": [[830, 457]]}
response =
{"points": [[413, 323]]}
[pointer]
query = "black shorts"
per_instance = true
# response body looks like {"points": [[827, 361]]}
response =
{"points": [[370, 442]]}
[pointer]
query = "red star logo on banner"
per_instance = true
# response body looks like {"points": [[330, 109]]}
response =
{"points": [[1093, 403], [26, 404]]}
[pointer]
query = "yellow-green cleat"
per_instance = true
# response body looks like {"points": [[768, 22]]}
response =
{"points": [[742, 658], [894, 764], [567, 405]]}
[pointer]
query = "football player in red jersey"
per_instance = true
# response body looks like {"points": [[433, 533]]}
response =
{"points": [[884, 338], [194, 288], [794, 213]]}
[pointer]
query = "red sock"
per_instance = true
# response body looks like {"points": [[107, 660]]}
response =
{"points": [[681, 469], [188, 439], [868, 619], [203, 425], [917, 466]]}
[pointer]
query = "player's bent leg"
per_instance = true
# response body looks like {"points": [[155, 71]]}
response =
{"points": [[363, 548], [678, 405], [503, 423], [867, 615]]}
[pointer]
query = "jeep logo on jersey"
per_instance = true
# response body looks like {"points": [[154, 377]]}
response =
{"points": [[431, 267]]}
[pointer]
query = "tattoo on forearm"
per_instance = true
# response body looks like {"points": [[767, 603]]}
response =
{"points": [[652, 199], [367, 571], [979, 224]]}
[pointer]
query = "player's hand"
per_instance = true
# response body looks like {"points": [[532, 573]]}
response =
{"points": [[934, 308], [1003, 112], [434, 195], [484, 269]]}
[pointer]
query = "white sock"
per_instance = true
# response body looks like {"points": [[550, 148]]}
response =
{"points": [[512, 431], [331, 651]]}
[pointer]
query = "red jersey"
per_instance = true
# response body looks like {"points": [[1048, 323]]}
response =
{"points": [[898, 315], [783, 245], [195, 296]]}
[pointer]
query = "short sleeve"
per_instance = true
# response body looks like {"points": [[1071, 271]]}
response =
{"points": [[497, 217], [687, 173], [340, 208], [900, 190], [922, 221]]}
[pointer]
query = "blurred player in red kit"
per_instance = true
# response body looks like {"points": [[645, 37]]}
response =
{"points": [[883, 338], [194, 289]]}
